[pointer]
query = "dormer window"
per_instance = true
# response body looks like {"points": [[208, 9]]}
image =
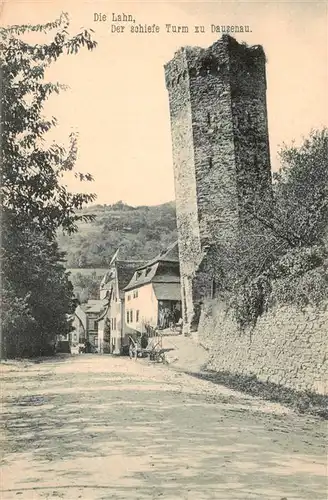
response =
{"points": [[138, 274], [147, 271]]}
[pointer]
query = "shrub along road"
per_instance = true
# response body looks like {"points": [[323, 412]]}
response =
{"points": [[99, 427]]}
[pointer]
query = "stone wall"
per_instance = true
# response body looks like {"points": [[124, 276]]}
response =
{"points": [[288, 346]]}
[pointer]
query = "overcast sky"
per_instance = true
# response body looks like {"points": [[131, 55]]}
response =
{"points": [[118, 101]]}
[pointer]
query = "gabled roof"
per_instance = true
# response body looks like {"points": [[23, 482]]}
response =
{"points": [[170, 254], [103, 312], [94, 306], [125, 271], [107, 278], [142, 276], [163, 268]]}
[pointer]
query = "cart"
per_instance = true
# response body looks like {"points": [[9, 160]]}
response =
{"points": [[153, 349]]}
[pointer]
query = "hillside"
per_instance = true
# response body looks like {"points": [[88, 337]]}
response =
{"points": [[139, 232]]}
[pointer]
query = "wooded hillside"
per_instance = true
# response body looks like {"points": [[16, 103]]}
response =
{"points": [[140, 232]]}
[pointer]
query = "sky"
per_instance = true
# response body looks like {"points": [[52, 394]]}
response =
{"points": [[118, 102]]}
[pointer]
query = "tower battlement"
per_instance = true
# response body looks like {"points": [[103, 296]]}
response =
{"points": [[197, 61], [217, 99]]}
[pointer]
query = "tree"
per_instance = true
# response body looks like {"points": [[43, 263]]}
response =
{"points": [[298, 213], [32, 171], [86, 286], [36, 293], [301, 190], [282, 253]]}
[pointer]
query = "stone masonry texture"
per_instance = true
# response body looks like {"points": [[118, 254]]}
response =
{"points": [[286, 346], [217, 99]]}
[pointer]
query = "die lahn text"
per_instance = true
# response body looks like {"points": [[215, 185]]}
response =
{"points": [[121, 23]]}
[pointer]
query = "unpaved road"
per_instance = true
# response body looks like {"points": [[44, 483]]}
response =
{"points": [[99, 427]]}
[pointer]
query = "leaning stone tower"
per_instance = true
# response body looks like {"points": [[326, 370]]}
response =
{"points": [[217, 99]]}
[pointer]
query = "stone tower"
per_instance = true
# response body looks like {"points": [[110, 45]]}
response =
{"points": [[217, 99]]}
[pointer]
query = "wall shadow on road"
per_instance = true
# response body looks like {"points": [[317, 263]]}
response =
{"points": [[304, 402]]}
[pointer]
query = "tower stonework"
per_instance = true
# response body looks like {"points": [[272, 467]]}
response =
{"points": [[217, 99]]}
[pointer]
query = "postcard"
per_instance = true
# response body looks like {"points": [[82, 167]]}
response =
{"points": [[164, 249]]}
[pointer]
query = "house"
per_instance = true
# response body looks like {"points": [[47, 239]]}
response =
{"points": [[112, 286], [153, 297], [86, 318], [79, 335]]}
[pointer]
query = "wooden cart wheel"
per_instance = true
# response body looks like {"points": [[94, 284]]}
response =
{"points": [[161, 358]]}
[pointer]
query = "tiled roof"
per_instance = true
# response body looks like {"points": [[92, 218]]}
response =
{"points": [[94, 306], [142, 276], [170, 254], [125, 270], [166, 271]]}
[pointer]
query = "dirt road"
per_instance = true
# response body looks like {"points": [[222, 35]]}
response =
{"points": [[99, 427]]}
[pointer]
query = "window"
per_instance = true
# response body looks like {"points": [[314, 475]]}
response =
{"points": [[114, 323], [131, 316], [210, 162], [129, 297], [147, 271], [128, 316], [137, 316], [135, 294]]}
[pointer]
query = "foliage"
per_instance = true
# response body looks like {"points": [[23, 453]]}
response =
{"points": [[86, 286], [301, 190], [306, 283], [32, 170], [282, 256], [139, 232], [36, 292], [298, 213], [251, 300]]}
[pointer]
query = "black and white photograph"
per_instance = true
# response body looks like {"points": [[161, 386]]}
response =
{"points": [[164, 249]]}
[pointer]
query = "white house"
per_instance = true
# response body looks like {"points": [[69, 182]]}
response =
{"points": [[153, 296]]}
